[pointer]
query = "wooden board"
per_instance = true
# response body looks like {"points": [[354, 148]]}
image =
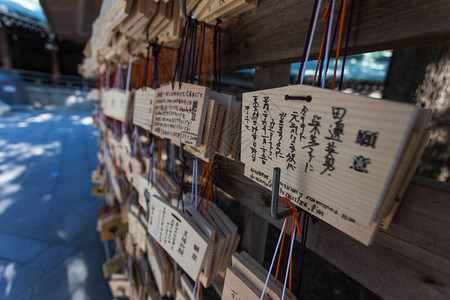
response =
{"points": [[114, 264], [413, 249], [258, 277], [338, 153], [179, 114], [176, 234], [120, 287], [155, 265], [115, 104], [228, 102], [143, 108], [208, 148], [137, 231], [219, 8], [377, 25], [236, 286]]}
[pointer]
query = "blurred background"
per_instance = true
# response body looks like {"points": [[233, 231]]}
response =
{"points": [[49, 248]]}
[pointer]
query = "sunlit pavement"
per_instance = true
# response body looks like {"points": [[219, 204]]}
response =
{"points": [[49, 247]]}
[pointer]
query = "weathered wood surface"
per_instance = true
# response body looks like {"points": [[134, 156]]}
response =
{"points": [[274, 33], [410, 260]]}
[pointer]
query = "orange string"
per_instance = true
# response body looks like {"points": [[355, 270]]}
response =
{"points": [[325, 16], [210, 190], [161, 64], [341, 26], [294, 213], [138, 73], [320, 56], [150, 74], [207, 184], [200, 189], [166, 64]]}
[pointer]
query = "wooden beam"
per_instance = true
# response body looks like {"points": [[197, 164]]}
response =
{"points": [[254, 236], [411, 260], [275, 33]]}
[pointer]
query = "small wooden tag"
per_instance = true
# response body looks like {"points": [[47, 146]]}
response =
{"points": [[144, 100], [176, 234], [114, 264], [179, 113]]}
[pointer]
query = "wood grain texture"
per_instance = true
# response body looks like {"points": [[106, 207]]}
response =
{"points": [[377, 25], [324, 180], [411, 260]]}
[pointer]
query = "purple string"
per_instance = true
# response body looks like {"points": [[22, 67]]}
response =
{"points": [[178, 56], [346, 45], [308, 36]]}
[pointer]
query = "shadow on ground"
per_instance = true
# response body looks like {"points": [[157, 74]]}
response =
{"points": [[49, 247]]}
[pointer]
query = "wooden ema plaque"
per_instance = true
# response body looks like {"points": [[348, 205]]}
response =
{"points": [[237, 287], [179, 113], [114, 264], [177, 234], [115, 104], [338, 153], [143, 108]]}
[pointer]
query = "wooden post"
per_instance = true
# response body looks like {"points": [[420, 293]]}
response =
{"points": [[255, 232], [56, 72], [4, 48]]}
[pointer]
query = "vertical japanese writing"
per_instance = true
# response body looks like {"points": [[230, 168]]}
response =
{"points": [[271, 132], [334, 137], [264, 136], [255, 117], [280, 135], [302, 120], [183, 242], [293, 125], [247, 117], [312, 143]]}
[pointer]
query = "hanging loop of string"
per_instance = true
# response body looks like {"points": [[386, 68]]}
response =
{"points": [[183, 41], [156, 49], [308, 41], [147, 60], [346, 44], [180, 78]]}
